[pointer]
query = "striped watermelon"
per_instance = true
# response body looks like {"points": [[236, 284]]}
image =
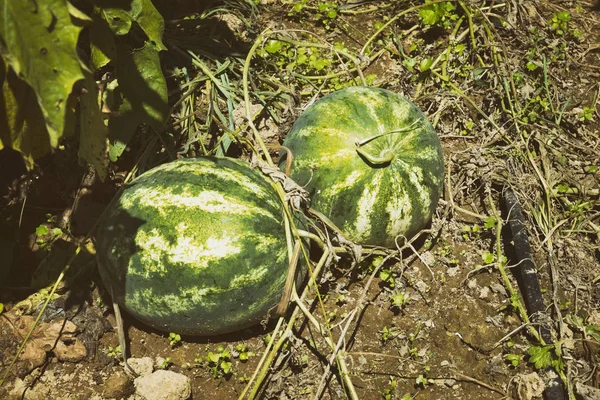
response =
{"points": [[196, 246], [385, 187]]}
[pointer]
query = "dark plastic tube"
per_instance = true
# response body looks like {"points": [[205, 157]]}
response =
{"points": [[529, 285]]}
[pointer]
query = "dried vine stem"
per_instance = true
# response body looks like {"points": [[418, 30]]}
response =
{"points": [[340, 345]]}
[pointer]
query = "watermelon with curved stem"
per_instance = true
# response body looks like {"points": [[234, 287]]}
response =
{"points": [[196, 246], [371, 162]]}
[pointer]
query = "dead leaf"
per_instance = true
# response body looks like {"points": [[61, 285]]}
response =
{"points": [[57, 336]]}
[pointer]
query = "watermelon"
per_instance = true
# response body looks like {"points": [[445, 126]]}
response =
{"points": [[196, 246], [371, 162]]}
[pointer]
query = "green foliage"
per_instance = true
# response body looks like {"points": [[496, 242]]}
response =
{"points": [[45, 235], [41, 50], [559, 22], [325, 12], [42, 230], [93, 136], [387, 277], [388, 393], [440, 14], [389, 333], [142, 12], [114, 351], [587, 114], [421, 381], [471, 232], [300, 60], [425, 64], [546, 356], [243, 353], [399, 300], [174, 339], [142, 92], [219, 362], [514, 359], [582, 325], [22, 117], [166, 363], [490, 222], [487, 257]]}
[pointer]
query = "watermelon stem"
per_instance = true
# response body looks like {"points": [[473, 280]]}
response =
{"points": [[399, 130], [389, 156], [386, 159], [289, 287]]}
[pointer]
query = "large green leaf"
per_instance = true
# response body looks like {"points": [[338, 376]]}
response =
{"points": [[93, 142], [22, 124], [143, 89], [141, 11], [102, 44], [40, 45]]}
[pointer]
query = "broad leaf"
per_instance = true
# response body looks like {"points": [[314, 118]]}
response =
{"points": [[143, 89], [141, 11], [22, 124], [93, 142], [540, 356], [429, 15], [102, 44], [41, 44]]}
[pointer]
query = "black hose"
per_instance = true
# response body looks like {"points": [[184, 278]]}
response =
{"points": [[529, 285]]}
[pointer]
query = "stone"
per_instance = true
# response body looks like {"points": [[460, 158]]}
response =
{"points": [[118, 386], [141, 366], [163, 385]]}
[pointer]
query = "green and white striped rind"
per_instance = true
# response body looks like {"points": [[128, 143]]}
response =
{"points": [[370, 204], [196, 246]]}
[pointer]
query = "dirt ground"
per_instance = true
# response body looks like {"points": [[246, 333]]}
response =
{"points": [[434, 322]]}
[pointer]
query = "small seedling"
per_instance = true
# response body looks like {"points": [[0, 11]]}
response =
{"points": [[114, 351], [389, 333], [582, 325], [387, 277], [559, 22], [174, 339], [587, 114], [304, 360], [166, 363], [45, 236], [327, 13], [219, 362], [441, 14], [388, 393], [341, 300], [421, 381], [471, 232], [514, 359], [297, 8], [267, 339], [490, 222], [487, 257], [332, 315], [546, 356], [242, 352], [399, 300]]}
